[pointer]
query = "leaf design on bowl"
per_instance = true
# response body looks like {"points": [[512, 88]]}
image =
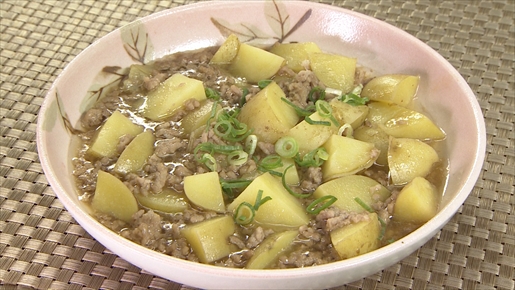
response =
{"points": [[277, 17], [51, 113], [136, 42]]}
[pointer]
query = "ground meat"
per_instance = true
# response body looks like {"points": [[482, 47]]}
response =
{"points": [[266, 148], [257, 237], [334, 218], [167, 130], [168, 146], [151, 82], [123, 142], [92, 118], [146, 230], [312, 178]]}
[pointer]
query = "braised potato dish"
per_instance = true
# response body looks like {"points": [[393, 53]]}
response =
{"points": [[256, 158]]}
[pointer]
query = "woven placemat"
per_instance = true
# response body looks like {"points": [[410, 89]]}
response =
{"points": [[42, 247]]}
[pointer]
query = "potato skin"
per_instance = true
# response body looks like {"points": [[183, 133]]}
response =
{"points": [[417, 202], [392, 89]]}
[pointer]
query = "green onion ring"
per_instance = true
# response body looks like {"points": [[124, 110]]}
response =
{"points": [[296, 194], [271, 162], [237, 157], [250, 144], [239, 215], [320, 204], [287, 147]]}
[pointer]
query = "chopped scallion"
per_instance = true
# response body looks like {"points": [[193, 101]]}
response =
{"points": [[260, 201], [300, 111], [250, 144], [212, 94], [363, 204], [287, 147], [244, 214], [263, 83], [320, 204], [314, 158], [346, 130], [318, 91], [291, 191], [208, 160], [237, 157]]}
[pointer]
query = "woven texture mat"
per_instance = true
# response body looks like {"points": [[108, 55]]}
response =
{"points": [[42, 247]]}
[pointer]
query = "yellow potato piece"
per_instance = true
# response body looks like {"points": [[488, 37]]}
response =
{"points": [[227, 51], [282, 211], [410, 158], [107, 137], [375, 135], [347, 188], [357, 239], [292, 175], [349, 114], [269, 251], [204, 190], [347, 156], [335, 71], [311, 136], [199, 117], [135, 155], [268, 115], [114, 198], [168, 201], [417, 202], [255, 64], [393, 89], [401, 122], [295, 53], [170, 96], [210, 239]]}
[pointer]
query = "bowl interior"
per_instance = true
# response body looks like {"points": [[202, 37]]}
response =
{"points": [[443, 94]]}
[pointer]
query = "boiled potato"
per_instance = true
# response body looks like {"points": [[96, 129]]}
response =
{"points": [[227, 51], [393, 89], [347, 156], [334, 71], [255, 64], [410, 158], [269, 251], [311, 136], [107, 137], [358, 238], [268, 115], [170, 96], [168, 201], [349, 114], [204, 190], [375, 135], [210, 239], [135, 155], [417, 202], [347, 188], [292, 176], [282, 211], [295, 53], [114, 198], [401, 122], [199, 117]]}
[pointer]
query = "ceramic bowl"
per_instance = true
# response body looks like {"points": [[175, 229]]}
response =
{"points": [[443, 94]]}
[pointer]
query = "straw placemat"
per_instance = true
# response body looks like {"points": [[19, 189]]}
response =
{"points": [[42, 247]]}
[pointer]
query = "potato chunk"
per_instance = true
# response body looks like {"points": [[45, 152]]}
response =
{"points": [[393, 89], [335, 71], [282, 211], [347, 188], [168, 201], [357, 239], [349, 114], [347, 156], [106, 139], [401, 122], [199, 117], [204, 190], [295, 53], [114, 198], [268, 252], [210, 239], [268, 115], [311, 136], [227, 51], [170, 96], [417, 202], [375, 135], [255, 64], [410, 158], [135, 155]]}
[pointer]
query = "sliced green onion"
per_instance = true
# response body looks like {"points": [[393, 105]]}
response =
{"points": [[383, 228], [353, 99], [212, 148], [250, 144], [260, 201], [236, 183], [316, 90], [287, 147], [244, 94], [208, 160], [313, 122], [300, 111], [291, 191], [363, 204], [223, 128], [314, 158], [346, 130], [263, 83], [325, 110], [212, 94], [212, 115], [271, 162], [237, 157], [244, 213], [320, 204]]}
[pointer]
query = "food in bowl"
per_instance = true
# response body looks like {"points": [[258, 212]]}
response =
{"points": [[256, 158]]}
